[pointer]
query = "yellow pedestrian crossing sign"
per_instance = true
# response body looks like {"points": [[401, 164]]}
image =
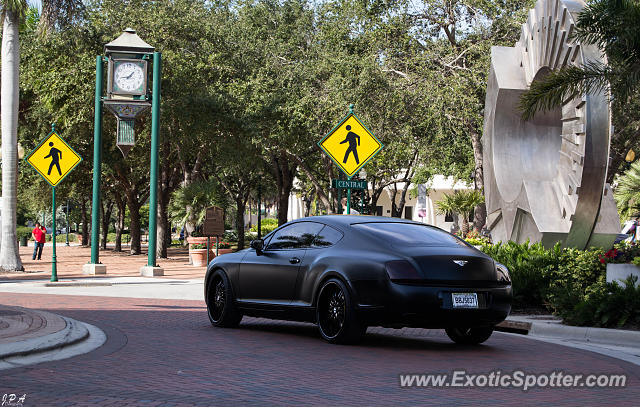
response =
{"points": [[53, 158], [350, 145]]}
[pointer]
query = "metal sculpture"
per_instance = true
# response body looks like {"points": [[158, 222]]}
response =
{"points": [[545, 177]]}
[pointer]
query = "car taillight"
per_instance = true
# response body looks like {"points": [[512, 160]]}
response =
{"points": [[401, 270]]}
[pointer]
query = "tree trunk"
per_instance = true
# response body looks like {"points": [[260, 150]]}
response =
{"points": [[85, 223], [480, 212], [285, 172], [10, 83], [134, 227], [121, 208], [164, 228], [241, 206], [107, 209]]}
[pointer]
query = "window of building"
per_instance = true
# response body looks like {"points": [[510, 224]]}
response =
{"points": [[408, 212], [448, 217], [379, 210]]}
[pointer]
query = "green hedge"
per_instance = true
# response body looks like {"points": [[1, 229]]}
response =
{"points": [[569, 282], [63, 238], [268, 225], [23, 231]]}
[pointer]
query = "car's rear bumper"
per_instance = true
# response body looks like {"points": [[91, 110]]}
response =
{"points": [[391, 304]]}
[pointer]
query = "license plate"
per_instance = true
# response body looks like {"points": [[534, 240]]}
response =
{"points": [[464, 300]]}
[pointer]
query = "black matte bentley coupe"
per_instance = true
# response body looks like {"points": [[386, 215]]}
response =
{"points": [[345, 273]]}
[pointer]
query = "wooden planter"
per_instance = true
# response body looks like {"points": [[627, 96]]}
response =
{"points": [[621, 271]]}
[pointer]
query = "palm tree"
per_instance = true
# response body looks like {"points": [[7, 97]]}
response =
{"points": [[12, 13], [461, 202], [447, 205], [466, 202], [627, 193], [612, 25]]}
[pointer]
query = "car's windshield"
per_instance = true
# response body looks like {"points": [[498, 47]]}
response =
{"points": [[409, 234]]}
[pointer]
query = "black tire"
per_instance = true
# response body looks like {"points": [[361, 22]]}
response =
{"points": [[221, 306], [469, 336], [336, 315]]}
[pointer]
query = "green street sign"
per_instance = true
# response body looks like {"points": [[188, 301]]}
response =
{"points": [[349, 184]]}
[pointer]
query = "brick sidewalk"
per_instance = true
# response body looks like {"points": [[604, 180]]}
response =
{"points": [[70, 260]]}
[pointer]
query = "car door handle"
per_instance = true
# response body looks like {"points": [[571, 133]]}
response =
{"points": [[294, 260]]}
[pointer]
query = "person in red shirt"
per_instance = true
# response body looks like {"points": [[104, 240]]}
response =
{"points": [[39, 234]]}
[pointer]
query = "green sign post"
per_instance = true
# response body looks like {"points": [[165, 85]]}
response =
{"points": [[53, 159]]}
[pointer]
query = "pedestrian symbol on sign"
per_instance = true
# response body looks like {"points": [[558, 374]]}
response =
{"points": [[55, 155], [353, 148]]}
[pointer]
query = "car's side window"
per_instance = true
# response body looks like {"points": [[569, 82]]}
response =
{"points": [[296, 236], [328, 236]]}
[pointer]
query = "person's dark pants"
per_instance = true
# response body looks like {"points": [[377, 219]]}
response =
{"points": [[37, 249]]}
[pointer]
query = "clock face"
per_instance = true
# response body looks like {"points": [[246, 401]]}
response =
{"points": [[129, 77]]}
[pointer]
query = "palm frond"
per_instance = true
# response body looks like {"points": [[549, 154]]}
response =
{"points": [[564, 84], [627, 193]]}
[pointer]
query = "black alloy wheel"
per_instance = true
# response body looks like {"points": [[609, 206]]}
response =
{"points": [[336, 315], [220, 303], [469, 336]]}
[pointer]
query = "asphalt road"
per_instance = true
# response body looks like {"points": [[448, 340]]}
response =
{"points": [[165, 353]]}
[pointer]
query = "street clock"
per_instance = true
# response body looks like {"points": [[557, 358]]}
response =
{"points": [[128, 77], [127, 84]]}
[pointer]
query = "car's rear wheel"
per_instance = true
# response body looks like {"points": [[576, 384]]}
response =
{"points": [[469, 336], [336, 315], [221, 306]]}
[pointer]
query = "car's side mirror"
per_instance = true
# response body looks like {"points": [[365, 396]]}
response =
{"points": [[258, 245]]}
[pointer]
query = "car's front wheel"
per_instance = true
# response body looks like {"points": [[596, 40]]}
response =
{"points": [[469, 336], [221, 306], [336, 315]]}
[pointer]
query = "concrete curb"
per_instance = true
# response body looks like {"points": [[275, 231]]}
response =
{"points": [[72, 333], [94, 339], [555, 329]]}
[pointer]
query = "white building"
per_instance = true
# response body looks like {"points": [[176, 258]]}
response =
{"points": [[420, 208]]}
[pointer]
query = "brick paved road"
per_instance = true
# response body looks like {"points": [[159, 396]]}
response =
{"points": [[165, 353]]}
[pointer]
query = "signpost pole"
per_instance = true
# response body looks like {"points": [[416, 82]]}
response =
{"points": [[67, 221], [208, 245], [217, 244], [348, 201], [54, 271], [97, 163], [153, 182], [362, 203], [259, 212]]}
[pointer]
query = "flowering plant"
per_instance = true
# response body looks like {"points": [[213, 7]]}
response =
{"points": [[224, 245], [623, 252], [199, 246]]}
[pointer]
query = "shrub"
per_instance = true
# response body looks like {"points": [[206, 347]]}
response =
{"points": [[530, 266], [230, 235], [267, 226], [199, 246], [607, 305], [23, 231]]}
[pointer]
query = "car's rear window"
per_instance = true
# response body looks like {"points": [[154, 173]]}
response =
{"points": [[409, 234]]}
